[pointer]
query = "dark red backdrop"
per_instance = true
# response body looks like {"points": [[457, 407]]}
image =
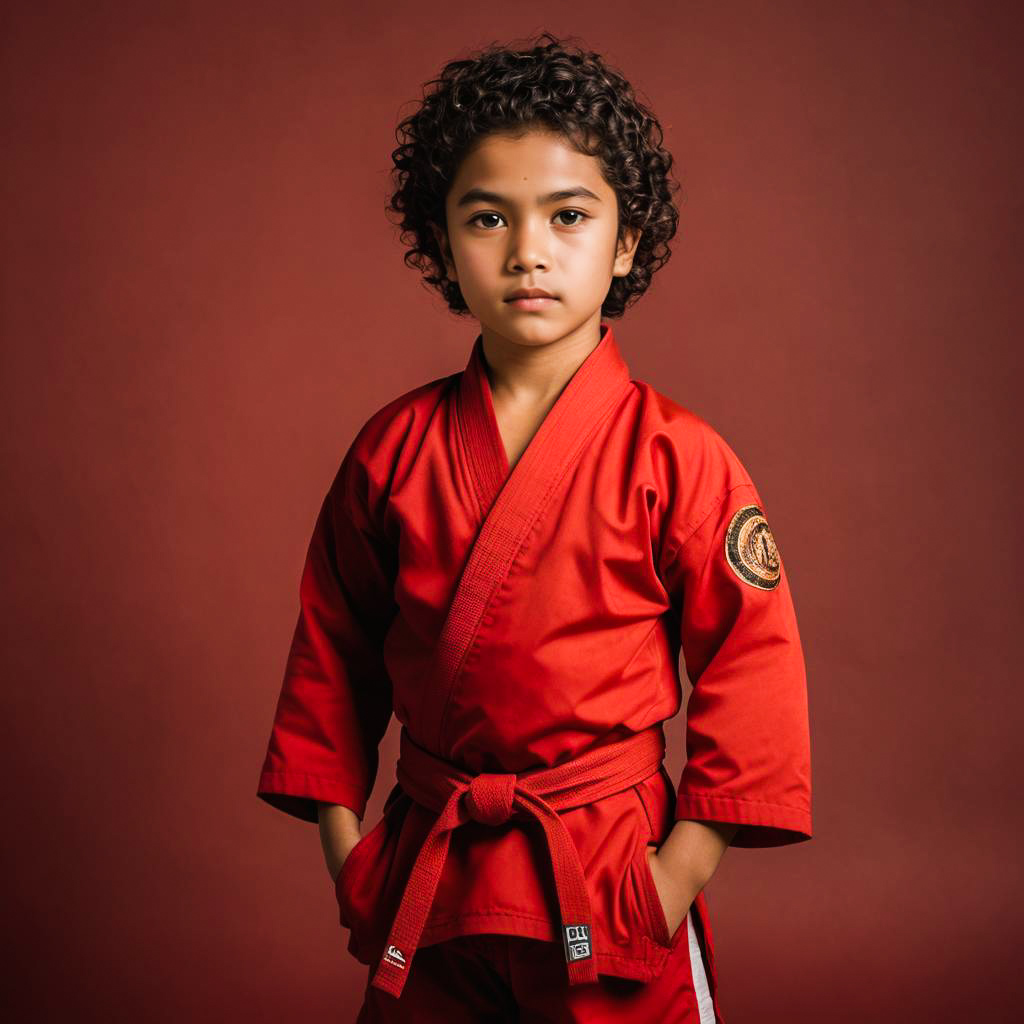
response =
{"points": [[202, 300]]}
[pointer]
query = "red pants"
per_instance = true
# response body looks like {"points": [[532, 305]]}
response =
{"points": [[497, 978]]}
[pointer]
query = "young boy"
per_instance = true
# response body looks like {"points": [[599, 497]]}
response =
{"points": [[510, 559]]}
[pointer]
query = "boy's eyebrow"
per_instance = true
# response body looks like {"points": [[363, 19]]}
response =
{"points": [[480, 195]]}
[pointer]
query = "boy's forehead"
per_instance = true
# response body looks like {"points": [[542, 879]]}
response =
{"points": [[533, 163]]}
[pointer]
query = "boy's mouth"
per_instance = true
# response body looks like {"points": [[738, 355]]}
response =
{"points": [[529, 293], [532, 301]]}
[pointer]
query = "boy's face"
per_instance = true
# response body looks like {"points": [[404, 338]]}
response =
{"points": [[520, 236]]}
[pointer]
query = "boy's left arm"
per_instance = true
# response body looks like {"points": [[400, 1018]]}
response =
{"points": [[747, 776]]}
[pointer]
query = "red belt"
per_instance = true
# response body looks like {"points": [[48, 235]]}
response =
{"points": [[492, 799]]}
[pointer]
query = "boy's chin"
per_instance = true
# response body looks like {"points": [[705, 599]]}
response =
{"points": [[529, 330]]}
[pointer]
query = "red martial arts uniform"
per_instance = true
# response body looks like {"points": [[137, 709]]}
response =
{"points": [[525, 629]]}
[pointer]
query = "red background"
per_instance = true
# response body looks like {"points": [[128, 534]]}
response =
{"points": [[202, 300]]}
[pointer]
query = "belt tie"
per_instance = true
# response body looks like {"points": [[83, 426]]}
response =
{"points": [[492, 799]]}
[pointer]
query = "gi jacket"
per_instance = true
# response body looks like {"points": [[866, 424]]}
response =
{"points": [[516, 620]]}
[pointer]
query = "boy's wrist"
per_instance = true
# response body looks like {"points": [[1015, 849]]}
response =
{"points": [[692, 851], [339, 832]]}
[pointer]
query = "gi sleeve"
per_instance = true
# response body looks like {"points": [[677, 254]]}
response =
{"points": [[336, 699], [747, 734]]}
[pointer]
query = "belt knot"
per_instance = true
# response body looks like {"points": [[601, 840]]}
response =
{"points": [[490, 798]]}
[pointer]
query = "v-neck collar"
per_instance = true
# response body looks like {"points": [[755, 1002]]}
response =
{"points": [[511, 502], [603, 371]]}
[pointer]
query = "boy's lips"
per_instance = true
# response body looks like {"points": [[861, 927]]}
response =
{"points": [[529, 293], [532, 302]]}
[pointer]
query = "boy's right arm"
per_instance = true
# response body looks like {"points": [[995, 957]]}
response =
{"points": [[335, 701], [339, 832]]}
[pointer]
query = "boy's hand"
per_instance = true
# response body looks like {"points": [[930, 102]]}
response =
{"points": [[336, 863], [675, 896], [684, 864], [339, 832]]}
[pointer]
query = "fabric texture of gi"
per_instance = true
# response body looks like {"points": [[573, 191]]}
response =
{"points": [[506, 978], [515, 621]]}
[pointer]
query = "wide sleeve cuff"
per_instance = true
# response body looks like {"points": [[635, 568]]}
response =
{"points": [[760, 823], [297, 794]]}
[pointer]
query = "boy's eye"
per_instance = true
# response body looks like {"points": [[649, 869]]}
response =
{"points": [[561, 213], [573, 213], [474, 220]]}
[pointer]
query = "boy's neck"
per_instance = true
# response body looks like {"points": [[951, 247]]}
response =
{"points": [[525, 374]]}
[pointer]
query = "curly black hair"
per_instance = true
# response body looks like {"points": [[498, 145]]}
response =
{"points": [[551, 86]]}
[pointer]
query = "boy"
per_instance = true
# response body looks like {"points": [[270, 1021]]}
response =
{"points": [[510, 559]]}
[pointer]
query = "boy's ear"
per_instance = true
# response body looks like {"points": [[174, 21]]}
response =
{"points": [[626, 251], [446, 252]]}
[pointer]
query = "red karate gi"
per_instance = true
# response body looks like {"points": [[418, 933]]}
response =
{"points": [[525, 629]]}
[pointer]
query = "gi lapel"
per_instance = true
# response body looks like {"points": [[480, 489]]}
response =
{"points": [[511, 502]]}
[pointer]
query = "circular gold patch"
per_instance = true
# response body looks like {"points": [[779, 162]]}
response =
{"points": [[750, 548]]}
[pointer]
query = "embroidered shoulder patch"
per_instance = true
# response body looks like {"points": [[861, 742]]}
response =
{"points": [[750, 548]]}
